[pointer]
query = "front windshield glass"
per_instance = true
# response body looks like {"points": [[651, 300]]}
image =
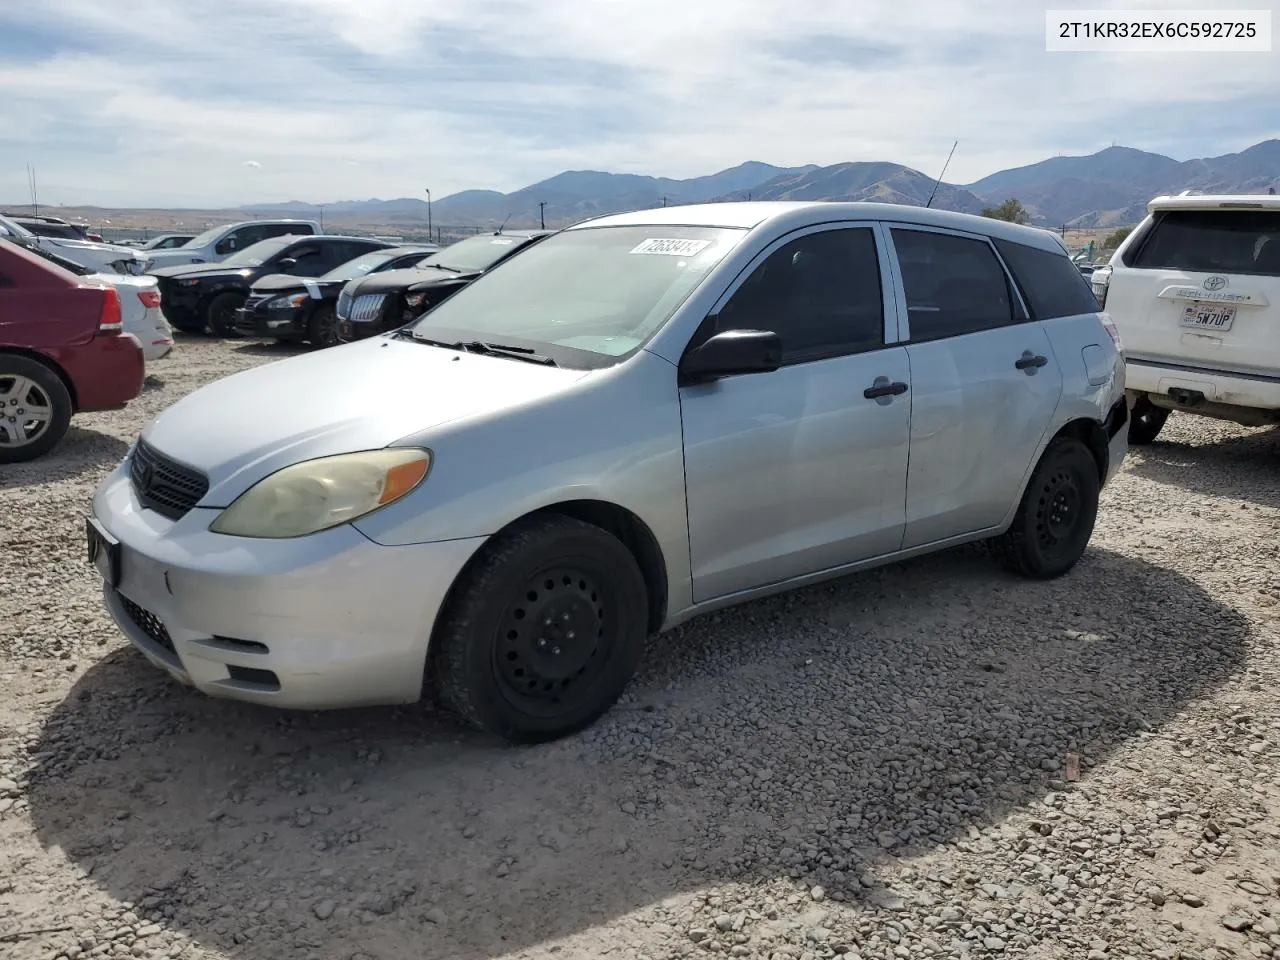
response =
{"points": [[475, 254], [207, 237], [602, 290], [361, 265], [257, 254]]}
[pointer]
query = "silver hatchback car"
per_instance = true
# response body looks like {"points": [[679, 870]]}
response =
{"points": [[642, 418]]}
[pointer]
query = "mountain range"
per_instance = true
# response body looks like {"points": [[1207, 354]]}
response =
{"points": [[1111, 187]]}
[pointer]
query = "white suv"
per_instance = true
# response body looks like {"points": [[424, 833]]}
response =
{"points": [[1195, 294], [218, 243]]}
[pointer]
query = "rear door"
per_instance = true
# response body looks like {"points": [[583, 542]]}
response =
{"points": [[1201, 287], [984, 383]]}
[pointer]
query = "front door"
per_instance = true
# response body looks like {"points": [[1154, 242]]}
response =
{"points": [[984, 384], [798, 470]]}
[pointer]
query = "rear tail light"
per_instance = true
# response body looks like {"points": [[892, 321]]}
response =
{"points": [[150, 299], [1099, 280], [111, 320], [1110, 327]]}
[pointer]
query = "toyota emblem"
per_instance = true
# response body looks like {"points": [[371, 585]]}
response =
{"points": [[1215, 283]]}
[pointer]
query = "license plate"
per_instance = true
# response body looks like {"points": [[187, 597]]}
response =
{"points": [[1208, 316], [103, 551]]}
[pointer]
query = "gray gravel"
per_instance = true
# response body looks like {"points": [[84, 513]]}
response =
{"points": [[932, 760]]}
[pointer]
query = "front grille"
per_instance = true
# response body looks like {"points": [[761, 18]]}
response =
{"points": [[163, 485], [148, 623], [344, 305], [367, 307], [255, 299]]}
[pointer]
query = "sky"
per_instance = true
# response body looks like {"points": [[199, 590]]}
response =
{"points": [[208, 104]]}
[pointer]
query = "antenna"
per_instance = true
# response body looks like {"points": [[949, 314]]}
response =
{"points": [[938, 182], [504, 223], [31, 183], [542, 215]]}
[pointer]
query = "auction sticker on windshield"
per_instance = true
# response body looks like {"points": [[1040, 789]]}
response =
{"points": [[672, 248]]}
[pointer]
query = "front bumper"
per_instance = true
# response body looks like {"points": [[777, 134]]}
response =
{"points": [[320, 622], [256, 322]]}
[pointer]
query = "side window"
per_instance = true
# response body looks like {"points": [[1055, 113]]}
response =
{"points": [[311, 261], [1051, 284], [954, 285], [282, 229], [820, 293]]}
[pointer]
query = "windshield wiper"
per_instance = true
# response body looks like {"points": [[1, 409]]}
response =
{"points": [[527, 354], [441, 266]]}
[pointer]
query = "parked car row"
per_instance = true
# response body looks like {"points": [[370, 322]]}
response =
{"points": [[87, 253], [628, 423]]}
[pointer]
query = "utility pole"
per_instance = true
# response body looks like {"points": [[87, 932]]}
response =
{"points": [[664, 201], [428, 189], [542, 217]]}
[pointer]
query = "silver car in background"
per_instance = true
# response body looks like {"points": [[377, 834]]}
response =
{"points": [[641, 418]]}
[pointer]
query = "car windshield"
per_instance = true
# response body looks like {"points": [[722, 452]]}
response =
{"points": [[598, 290], [258, 253], [206, 238], [17, 229], [476, 254], [361, 265]]}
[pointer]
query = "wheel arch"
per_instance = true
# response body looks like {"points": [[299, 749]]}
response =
{"points": [[53, 366], [1091, 433]]}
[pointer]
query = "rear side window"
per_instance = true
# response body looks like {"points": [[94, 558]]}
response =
{"points": [[954, 285], [1051, 284], [1214, 241]]}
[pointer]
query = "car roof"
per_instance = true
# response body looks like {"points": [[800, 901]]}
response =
{"points": [[785, 215], [330, 237], [1216, 201], [406, 248]]}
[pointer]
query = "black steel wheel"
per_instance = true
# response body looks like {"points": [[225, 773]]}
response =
{"points": [[1055, 518], [543, 631], [1146, 421]]}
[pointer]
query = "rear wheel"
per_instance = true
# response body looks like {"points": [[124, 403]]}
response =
{"points": [[35, 409], [322, 328], [1055, 519], [221, 314], [1146, 421], [543, 632]]}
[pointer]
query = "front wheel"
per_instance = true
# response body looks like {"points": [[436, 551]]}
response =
{"points": [[543, 631], [1146, 422], [35, 409], [1055, 519], [322, 328], [221, 315]]}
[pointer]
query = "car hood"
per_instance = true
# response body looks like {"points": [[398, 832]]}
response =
{"points": [[282, 282], [127, 253], [199, 270], [390, 281], [359, 396], [162, 258]]}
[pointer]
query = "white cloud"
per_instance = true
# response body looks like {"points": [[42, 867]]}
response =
{"points": [[158, 102]]}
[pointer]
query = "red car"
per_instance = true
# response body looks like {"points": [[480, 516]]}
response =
{"points": [[63, 350]]}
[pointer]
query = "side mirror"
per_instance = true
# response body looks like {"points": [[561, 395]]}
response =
{"points": [[288, 263], [732, 352]]}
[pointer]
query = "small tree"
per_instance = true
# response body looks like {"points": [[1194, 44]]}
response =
{"points": [[1011, 210], [1116, 237]]}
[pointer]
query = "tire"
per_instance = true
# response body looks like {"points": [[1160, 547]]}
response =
{"points": [[1145, 422], [221, 314], [23, 384], [322, 328], [1041, 542], [500, 675]]}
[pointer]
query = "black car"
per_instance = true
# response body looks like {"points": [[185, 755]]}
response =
{"points": [[198, 295], [389, 300], [286, 307]]}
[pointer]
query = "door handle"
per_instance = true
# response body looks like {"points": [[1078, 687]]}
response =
{"points": [[1029, 361], [883, 388]]}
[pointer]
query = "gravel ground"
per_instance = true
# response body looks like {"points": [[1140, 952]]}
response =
{"points": [[883, 767]]}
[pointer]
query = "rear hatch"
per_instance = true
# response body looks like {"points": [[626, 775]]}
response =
{"points": [[1198, 284]]}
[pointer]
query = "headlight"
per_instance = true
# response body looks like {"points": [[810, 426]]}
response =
{"points": [[191, 282], [291, 302], [318, 494], [415, 299]]}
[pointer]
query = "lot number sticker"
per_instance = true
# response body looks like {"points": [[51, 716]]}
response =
{"points": [[672, 248]]}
